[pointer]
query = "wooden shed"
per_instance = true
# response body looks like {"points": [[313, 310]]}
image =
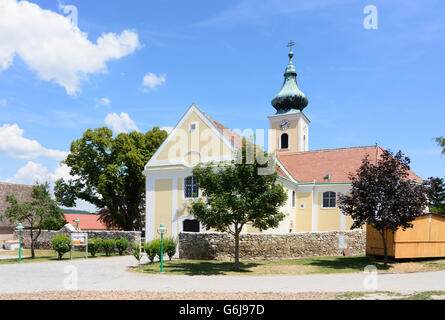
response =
{"points": [[426, 239]]}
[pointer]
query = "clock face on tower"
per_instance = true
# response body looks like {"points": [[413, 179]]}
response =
{"points": [[284, 124]]}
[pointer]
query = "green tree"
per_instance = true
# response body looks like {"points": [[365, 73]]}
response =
{"points": [[437, 194], [34, 213], [441, 142], [108, 174], [382, 196], [53, 223], [240, 192]]}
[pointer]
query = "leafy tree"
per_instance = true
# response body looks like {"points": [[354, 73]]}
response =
{"points": [[61, 244], [437, 194], [107, 172], [240, 192], [383, 197], [441, 142], [53, 223], [34, 213]]}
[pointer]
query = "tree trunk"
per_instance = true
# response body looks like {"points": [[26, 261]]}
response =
{"points": [[32, 244], [236, 267], [385, 249]]}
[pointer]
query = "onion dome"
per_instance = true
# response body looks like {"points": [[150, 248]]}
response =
{"points": [[290, 98]]}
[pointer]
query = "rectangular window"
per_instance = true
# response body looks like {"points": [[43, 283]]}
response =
{"points": [[329, 199], [293, 199], [191, 189]]}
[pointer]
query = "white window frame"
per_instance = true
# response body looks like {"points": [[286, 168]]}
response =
{"points": [[294, 199], [322, 200], [183, 191]]}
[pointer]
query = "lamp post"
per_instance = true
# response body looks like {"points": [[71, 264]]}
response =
{"points": [[77, 222], [161, 230], [20, 228]]}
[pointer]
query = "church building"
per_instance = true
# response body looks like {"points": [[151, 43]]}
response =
{"points": [[313, 179]]}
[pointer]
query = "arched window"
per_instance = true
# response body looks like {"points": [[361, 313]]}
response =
{"points": [[191, 189], [284, 144], [329, 199]]}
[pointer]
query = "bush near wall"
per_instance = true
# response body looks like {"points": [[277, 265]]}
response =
{"points": [[256, 246], [44, 240]]}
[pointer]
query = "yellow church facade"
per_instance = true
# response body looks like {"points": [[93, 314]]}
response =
{"points": [[313, 180]]}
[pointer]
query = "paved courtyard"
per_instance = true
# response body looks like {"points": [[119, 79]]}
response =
{"points": [[106, 274]]}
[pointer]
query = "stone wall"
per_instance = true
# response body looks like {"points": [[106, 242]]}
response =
{"points": [[255, 246], [21, 192], [44, 240]]}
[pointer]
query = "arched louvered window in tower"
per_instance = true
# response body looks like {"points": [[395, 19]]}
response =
{"points": [[284, 141]]}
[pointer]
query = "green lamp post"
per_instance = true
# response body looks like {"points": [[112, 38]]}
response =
{"points": [[161, 230], [77, 222], [20, 228]]}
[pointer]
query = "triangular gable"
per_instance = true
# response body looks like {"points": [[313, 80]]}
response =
{"points": [[182, 148]]}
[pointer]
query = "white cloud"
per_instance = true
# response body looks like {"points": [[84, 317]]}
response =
{"points": [[53, 47], [34, 172], [120, 123], [30, 173], [151, 81], [103, 102], [15, 145], [3, 102], [167, 129]]}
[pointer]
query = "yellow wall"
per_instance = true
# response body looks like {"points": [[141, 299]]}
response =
{"points": [[291, 131], [303, 217], [203, 139], [163, 204], [328, 219]]}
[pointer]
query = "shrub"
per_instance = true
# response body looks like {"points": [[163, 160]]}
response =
{"points": [[61, 244], [108, 245], [170, 244], [137, 252], [122, 245], [150, 250], [94, 245]]}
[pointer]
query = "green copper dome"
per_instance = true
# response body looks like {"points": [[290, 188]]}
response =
{"points": [[290, 98]]}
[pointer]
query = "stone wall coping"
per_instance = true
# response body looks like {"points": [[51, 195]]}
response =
{"points": [[275, 234]]}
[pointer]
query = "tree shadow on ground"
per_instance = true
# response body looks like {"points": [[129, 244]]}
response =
{"points": [[205, 268], [349, 263]]}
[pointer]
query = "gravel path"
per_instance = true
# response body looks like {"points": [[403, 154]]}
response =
{"points": [[109, 274]]}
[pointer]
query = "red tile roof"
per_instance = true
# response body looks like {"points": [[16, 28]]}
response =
{"points": [[86, 221], [309, 165], [338, 163]]}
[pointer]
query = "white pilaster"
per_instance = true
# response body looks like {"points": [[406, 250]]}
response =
{"points": [[150, 209]]}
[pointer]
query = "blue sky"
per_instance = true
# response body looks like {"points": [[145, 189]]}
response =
{"points": [[364, 86]]}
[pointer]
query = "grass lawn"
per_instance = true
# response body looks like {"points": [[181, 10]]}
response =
{"points": [[44, 255], [288, 267], [387, 295]]}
